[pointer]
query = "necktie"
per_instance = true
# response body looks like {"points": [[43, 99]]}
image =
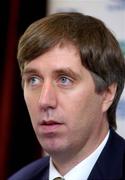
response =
{"points": [[58, 178]]}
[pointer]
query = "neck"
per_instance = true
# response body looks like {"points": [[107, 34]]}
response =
{"points": [[64, 162]]}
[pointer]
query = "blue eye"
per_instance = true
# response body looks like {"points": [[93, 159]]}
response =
{"points": [[34, 81], [65, 81]]}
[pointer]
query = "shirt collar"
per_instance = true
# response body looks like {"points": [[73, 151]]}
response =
{"points": [[81, 170]]}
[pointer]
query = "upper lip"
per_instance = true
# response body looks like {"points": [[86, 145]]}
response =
{"points": [[49, 122]]}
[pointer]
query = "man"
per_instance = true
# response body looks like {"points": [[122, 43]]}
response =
{"points": [[73, 74]]}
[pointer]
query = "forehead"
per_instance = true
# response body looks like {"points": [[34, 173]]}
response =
{"points": [[57, 57], [59, 60]]}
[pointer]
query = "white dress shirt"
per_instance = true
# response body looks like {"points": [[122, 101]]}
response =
{"points": [[83, 169]]}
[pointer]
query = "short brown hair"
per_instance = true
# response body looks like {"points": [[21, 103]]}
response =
{"points": [[99, 50]]}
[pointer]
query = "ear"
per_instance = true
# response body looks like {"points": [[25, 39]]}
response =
{"points": [[109, 95]]}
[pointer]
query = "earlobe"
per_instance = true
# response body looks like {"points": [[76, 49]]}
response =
{"points": [[109, 95]]}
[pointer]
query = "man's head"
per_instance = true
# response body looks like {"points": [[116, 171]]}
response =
{"points": [[98, 49]]}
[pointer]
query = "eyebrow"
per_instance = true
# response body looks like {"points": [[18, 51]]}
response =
{"points": [[29, 71], [62, 71], [67, 72]]}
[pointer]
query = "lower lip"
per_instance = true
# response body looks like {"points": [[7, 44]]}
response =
{"points": [[49, 128]]}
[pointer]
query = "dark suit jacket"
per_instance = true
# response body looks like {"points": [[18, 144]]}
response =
{"points": [[109, 166]]}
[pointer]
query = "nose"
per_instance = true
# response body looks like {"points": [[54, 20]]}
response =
{"points": [[48, 97]]}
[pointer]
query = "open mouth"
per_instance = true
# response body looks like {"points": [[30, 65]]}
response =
{"points": [[50, 126]]}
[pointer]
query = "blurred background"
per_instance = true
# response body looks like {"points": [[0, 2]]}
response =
{"points": [[18, 144]]}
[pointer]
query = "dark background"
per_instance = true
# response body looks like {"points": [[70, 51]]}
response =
{"points": [[18, 144]]}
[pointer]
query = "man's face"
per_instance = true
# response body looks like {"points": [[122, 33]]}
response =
{"points": [[66, 112]]}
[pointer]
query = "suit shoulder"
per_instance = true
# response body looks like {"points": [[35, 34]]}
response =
{"points": [[31, 170], [117, 138]]}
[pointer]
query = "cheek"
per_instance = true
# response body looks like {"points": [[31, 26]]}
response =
{"points": [[31, 106], [31, 103], [74, 109], [75, 101], [83, 106]]}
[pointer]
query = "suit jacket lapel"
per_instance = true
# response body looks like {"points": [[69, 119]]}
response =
{"points": [[42, 172], [110, 163]]}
